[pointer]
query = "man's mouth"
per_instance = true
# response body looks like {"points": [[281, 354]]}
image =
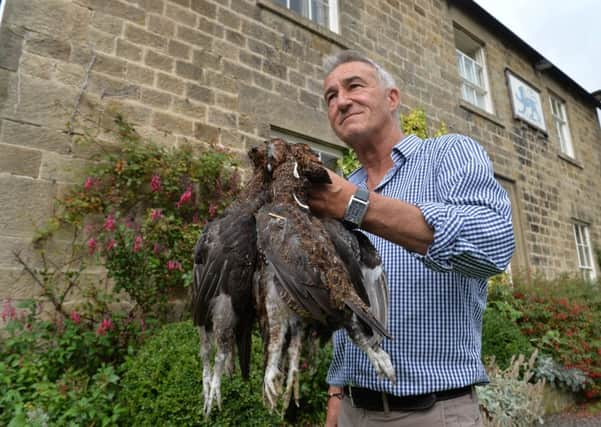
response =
{"points": [[343, 119]]}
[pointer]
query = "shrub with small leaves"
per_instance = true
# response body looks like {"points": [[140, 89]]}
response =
{"points": [[512, 399]]}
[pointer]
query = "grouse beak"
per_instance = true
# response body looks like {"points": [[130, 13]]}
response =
{"points": [[295, 172]]}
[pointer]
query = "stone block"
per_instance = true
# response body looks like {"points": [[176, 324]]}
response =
{"points": [[235, 37], [188, 108], [200, 93], [160, 25], [37, 66], [44, 45], [44, 103], [16, 284], [110, 24], [228, 18], [222, 119], [134, 112], [193, 37], [172, 124], [189, 71], [109, 65], [170, 84], [179, 15], [206, 59], [20, 161], [210, 27], [118, 9], [178, 50], [26, 204], [38, 137], [155, 98], [239, 72], [64, 169], [158, 61], [12, 46], [128, 50], [108, 87], [139, 74], [206, 133], [227, 102], [60, 19], [204, 8], [70, 74], [150, 6], [145, 38], [99, 41]]}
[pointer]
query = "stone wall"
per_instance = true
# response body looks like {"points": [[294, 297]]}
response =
{"points": [[228, 72]]}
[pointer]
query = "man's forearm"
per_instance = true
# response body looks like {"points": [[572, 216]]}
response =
{"points": [[398, 222]]}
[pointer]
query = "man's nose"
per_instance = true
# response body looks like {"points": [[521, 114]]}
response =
{"points": [[343, 102]]}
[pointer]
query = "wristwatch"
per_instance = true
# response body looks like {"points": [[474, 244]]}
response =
{"points": [[356, 208]]}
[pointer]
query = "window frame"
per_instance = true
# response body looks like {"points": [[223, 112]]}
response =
{"points": [[332, 8], [478, 57], [2, 5], [320, 147], [584, 252], [560, 120]]}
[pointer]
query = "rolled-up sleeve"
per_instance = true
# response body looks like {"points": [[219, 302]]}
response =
{"points": [[471, 216]]}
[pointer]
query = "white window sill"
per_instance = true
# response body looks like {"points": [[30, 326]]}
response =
{"points": [[480, 112], [570, 160], [305, 23]]}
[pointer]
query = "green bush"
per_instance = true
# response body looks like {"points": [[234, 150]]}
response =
{"points": [[61, 372], [162, 385], [502, 338]]}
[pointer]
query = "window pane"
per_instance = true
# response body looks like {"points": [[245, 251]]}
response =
{"points": [[297, 6], [319, 12]]}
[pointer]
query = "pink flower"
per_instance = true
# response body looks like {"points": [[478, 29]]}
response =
{"points": [[106, 325], [75, 317], [155, 183], [156, 214], [111, 244], [138, 241], [174, 265], [89, 183], [8, 311], [185, 197], [109, 223], [91, 245], [212, 210]]}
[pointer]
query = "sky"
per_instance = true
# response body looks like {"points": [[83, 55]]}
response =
{"points": [[566, 32]]}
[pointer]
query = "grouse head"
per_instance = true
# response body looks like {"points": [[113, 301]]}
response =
{"points": [[308, 165]]}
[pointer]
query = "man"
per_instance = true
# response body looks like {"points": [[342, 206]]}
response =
{"points": [[442, 225]]}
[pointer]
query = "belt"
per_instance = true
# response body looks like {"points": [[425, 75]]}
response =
{"points": [[381, 401]]}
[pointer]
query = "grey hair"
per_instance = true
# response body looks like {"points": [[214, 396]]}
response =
{"points": [[345, 56]]}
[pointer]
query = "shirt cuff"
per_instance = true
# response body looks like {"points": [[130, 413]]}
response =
{"points": [[447, 223]]}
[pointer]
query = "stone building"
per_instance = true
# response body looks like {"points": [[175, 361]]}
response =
{"points": [[238, 71]]}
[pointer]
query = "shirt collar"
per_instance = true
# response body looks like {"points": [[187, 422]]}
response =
{"points": [[404, 149]]}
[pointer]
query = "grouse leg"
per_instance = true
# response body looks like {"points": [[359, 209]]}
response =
{"points": [[294, 352], [277, 326], [376, 355], [224, 321], [204, 352]]}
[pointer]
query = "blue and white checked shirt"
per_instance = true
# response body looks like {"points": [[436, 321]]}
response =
{"points": [[436, 299]]}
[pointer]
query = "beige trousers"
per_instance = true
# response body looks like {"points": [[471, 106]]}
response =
{"points": [[462, 411]]}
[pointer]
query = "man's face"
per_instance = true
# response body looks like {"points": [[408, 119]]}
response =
{"points": [[358, 105]]}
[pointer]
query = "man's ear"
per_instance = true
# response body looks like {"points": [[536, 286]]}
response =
{"points": [[394, 98]]}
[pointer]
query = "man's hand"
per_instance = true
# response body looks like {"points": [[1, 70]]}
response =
{"points": [[331, 200], [333, 407]]}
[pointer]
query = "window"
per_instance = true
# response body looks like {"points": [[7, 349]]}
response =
{"points": [[585, 255], [327, 154], [560, 119], [471, 64], [322, 12], [2, 4]]}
